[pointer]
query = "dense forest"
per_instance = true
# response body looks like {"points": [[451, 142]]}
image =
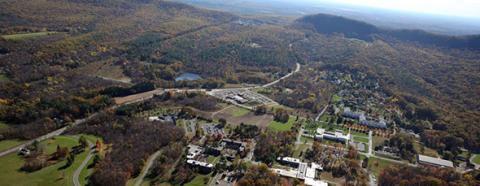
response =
{"points": [[329, 24]]}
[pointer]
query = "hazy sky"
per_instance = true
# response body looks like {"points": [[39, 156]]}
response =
{"points": [[462, 8]]}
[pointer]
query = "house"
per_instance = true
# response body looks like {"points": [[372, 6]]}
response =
{"points": [[352, 115], [234, 145], [238, 99], [163, 118], [23, 152], [202, 166], [194, 151], [304, 172], [431, 161], [213, 151], [373, 124], [337, 136], [292, 162]]}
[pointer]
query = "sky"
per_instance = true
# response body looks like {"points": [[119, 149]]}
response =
{"points": [[458, 8]]}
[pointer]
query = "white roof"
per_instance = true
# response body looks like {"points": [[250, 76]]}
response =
{"points": [[153, 118], [435, 161], [313, 182], [310, 173], [203, 164], [286, 173], [290, 159]]}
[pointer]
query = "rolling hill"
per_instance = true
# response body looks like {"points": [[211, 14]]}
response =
{"points": [[329, 24]]}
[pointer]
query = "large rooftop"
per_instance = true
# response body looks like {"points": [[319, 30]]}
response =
{"points": [[434, 161]]}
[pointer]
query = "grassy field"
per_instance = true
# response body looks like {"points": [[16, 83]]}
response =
{"points": [[3, 77], [7, 144], [51, 175], [377, 165], [279, 126], [238, 111], [299, 149], [360, 139], [336, 98], [199, 180], [476, 159], [18, 37], [213, 159], [425, 151]]}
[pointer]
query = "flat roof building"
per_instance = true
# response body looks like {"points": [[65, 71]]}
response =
{"points": [[431, 161], [333, 136]]}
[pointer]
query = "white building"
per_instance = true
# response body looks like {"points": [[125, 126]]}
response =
{"points": [[431, 161], [334, 136], [304, 172]]}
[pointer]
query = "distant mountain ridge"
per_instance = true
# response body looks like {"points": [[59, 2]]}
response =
{"points": [[330, 24]]}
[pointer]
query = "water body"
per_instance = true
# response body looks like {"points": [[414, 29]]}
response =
{"points": [[188, 77]]}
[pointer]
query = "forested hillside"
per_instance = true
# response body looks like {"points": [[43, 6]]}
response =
{"points": [[436, 88], [329, 24], [62, 60]]}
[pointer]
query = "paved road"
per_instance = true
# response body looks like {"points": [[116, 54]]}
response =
{"points": [[321, 113], [46, 136], [370, 143], [286, 76], [77, 172], [147, 166]]}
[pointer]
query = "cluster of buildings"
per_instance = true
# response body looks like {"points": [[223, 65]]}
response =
{"points": [[347, 113], [197, 155], [300, 170], [240, 96]]}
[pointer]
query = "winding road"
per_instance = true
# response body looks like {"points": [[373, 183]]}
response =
{"points": [[77, 172]]}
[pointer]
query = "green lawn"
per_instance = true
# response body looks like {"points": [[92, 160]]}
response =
{"points": [[18, 37], [213, 159], [336, 98], [377, 165], [360, 139], [238, 111], [3, 77], [299, 148], [51, 175], [199, 180], [7, 144], [279, 126], [476, 159]]}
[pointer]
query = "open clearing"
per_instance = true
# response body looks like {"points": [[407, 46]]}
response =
{"points": [[377, 165], [476, 159], [51, 175], [235, 116], [279, 126], [18, 37], [199, 180], [7, 144]]}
